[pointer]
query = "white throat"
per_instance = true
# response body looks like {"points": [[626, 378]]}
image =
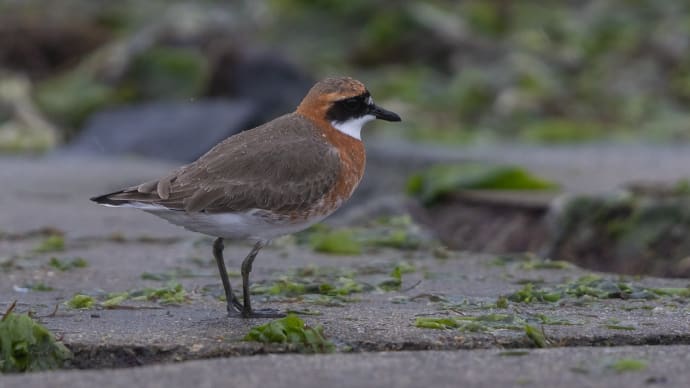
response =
{"points": [[352, 127]]}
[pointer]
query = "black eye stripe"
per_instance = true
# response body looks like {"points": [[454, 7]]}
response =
{"points": [[349, 108]]}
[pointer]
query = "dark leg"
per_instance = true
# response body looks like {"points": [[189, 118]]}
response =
{"points": [[234, 306], [247, 311]]}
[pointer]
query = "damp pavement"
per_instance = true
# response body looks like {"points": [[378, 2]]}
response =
{"points": [[591, 341]]}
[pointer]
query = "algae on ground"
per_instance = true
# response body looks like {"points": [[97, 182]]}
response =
{"points": [[66, 265], [80, 301], [595, 287], [398, 232], [433, 183], [395, 281], [536, 336], [628, 365], [479, 323], [53, 243], [27, 346], [291, 287], [335, 241], [171, 293], [292, 330]]}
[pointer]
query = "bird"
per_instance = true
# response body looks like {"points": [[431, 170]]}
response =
{"points": [[272, 180]]}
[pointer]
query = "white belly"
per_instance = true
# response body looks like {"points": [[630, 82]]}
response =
{"points": [[253, 225]]}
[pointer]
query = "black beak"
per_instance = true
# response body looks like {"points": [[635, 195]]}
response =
{"points": [[383, 114]]}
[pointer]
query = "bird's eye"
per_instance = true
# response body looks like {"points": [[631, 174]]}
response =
{"points": [[352, 104]]}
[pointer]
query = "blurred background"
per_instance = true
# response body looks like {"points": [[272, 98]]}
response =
{"points": [[591, 96]]}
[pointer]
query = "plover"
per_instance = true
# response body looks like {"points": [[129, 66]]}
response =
{"points": [[275, 179]]}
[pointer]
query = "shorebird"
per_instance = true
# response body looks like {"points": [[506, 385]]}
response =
{"points": [[272, 180]]}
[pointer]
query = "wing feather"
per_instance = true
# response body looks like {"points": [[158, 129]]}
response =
{"points": [[286, 166]]}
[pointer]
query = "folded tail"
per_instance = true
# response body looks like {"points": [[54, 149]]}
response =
{"points": [[125, 197]]}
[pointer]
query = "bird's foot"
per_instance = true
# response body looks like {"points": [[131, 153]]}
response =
{"points": [[237, 310], [263, 313]]}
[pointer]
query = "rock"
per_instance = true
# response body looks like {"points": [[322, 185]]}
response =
{"points": [[268, 79], [179, 131]]}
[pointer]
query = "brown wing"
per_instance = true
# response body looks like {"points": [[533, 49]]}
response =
{"points": [[285, 165]]}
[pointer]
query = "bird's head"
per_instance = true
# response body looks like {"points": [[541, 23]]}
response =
{"points": [[345, 103]]}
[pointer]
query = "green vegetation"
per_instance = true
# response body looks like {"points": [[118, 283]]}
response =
{"points": [[502, 302], [546, 264], [432, 184], [292, 331], [115, 299], [339, 241], [80, 301], [166, 73], [536, 336], [436, 323], [171, 293], [177, 273], [398, 232], [27, 346], [637, 228], [70, 98], [528, 294], [286, 286], [394, 283], [514, 353], [65, 265], [628, 365], [591, 286], [40, 286], [620, 327], [487, 322], [329, 286], [158, 73], [53, 243], [569, 73]]}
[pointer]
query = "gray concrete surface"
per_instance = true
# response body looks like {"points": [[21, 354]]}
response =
{"points": [[120, 245], [564, 367]]}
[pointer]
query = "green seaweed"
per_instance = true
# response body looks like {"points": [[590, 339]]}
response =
{"points": [[528, 294], [479, 323], [398, 232], [502, 302], [53, 243], [536, 336], [545, 264], [628, 365], [66, 265], [335, 241], [82, 302], [171, 293], [115, 299], [292, 330], [27, 346], [40, 286], [395, 282], [286, 286], [167, 276], [432, 184], [436, 323], [592, 286], [671, 291]]}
